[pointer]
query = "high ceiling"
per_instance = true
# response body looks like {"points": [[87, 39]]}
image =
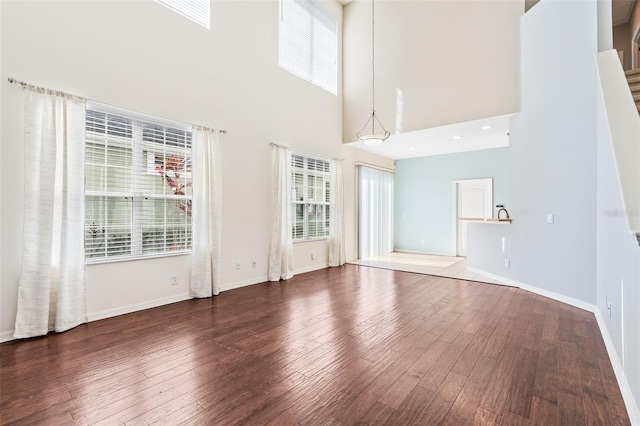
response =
{"points": [[467, 136]]}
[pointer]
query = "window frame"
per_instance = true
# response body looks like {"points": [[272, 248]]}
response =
{"points": [[139, 148], [305, 203]]}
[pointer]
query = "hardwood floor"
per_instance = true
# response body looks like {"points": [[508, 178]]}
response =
{"points": [[341, 346]]}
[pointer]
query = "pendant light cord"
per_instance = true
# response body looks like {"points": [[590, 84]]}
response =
{"points": [[372, 137], [373, 56]]}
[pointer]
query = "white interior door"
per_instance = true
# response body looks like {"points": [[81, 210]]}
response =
{"points": [[474, 201]]}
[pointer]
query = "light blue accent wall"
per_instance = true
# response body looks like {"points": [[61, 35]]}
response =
{"points": [[424, 194]]}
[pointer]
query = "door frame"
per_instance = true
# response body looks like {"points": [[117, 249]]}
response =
{"points": [[455, 207]]}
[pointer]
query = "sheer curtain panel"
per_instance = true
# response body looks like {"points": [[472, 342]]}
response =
{"points": [[281, 254], [375, 223], [337, 255], [51, 292], [206, 213]]}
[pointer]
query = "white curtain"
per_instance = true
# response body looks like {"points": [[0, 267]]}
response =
{"points": [[281, 254], [206, 213], [51, 292], [375, 224], [337, 255]]}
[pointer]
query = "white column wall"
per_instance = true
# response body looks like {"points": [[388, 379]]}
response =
{"points": [[553, 151]]}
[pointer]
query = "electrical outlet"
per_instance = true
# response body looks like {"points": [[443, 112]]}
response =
{"points": [[313, 256], [174, 280], [253, 263], [237, 264], [507, 263]]}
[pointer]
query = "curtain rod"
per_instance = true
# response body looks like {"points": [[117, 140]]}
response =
{"points": [[43, 89], [28, 86], [308, 154], [373, 166]]}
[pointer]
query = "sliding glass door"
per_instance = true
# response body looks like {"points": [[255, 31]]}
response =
{"points": [[375, 212]]}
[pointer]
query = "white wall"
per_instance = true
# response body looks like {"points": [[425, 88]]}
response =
{"points": [[484, 247], [562, 163], [618, 268], [553, 151], [618, 213], [424, 196], [144, 57], [453, 61], [605, 25]]}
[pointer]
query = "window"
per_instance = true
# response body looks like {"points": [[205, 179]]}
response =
{"points": [[310, 191], [196, 10], [137, 188], [308, 44]]}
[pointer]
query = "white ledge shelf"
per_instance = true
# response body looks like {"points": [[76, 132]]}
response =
{"points": [[481, 220]]}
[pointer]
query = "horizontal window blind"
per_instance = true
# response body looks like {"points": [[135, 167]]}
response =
{"points": [[310, 196], [196, 10], [308, 45], [137, 186]]}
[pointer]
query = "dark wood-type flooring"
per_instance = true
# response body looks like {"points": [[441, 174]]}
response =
{"points": [[341, 346]]}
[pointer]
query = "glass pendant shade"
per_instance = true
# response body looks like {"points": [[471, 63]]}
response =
{"points": [[373, 139]]}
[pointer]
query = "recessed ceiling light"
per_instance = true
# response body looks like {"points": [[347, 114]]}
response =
{"points": [[412, 149], [487, 127], [456, 137]]}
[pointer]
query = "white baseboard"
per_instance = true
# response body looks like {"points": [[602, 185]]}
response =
{"points": [[258, 280], [533, 289], [245, 283], [310, 269], [623, 384], [6, 336], [432, 253], [137, 307]]}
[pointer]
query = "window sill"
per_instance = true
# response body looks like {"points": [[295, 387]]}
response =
{"points": [[100, 261]]}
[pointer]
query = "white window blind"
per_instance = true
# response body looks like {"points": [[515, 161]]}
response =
{"points": [[196, 10], [137, 188], [308, 44], [310, 196]]}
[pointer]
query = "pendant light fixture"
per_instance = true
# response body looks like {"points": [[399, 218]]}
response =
{"points": [[373, 139]]}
